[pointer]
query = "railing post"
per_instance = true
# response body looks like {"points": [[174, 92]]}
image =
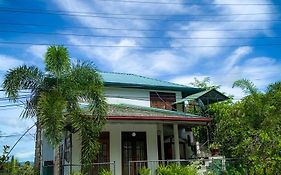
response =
{"points": [[114, 170], [129, 167]]}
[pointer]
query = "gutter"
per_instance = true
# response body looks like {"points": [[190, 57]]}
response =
{"points": [[157, 118]]}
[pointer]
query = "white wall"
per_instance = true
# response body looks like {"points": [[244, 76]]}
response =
{"points": [[127, 96], [116, 141], [131, 96]]}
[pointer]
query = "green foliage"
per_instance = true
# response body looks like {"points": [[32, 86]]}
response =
{"points": [[246, 85], [144, 171], [243, 129], [10, 166], [57, 60], [178, 169], [55, 97], [249, 130], [105, 172], [205, 84]]}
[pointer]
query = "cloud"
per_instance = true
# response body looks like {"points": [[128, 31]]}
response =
{"points": [[260, 70], [24, 155], [8, 62], [37, 51]]}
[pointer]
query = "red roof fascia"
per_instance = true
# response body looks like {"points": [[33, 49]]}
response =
{"points": [[155, 118]]}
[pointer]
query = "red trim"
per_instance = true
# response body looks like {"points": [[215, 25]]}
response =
{"points": [[154, 118]]}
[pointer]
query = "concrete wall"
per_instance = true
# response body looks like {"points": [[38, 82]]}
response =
{"points": [[131, 96], [115, 131]]}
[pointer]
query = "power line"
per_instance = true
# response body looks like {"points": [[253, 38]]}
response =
{"points": [[133, 29], [93, 14], [140, 46], [148, 19], [128, 36], [186, 3]]}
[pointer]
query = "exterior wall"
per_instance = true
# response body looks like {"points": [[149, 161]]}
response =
{"points": [[115, 131], [116, 141], [76, 152], [131, 96]]}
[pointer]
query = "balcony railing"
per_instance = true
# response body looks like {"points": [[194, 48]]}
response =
{"points": [[69, 169]]}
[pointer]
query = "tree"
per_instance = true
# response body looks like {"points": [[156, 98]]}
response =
{"points": [[55, 97], [250, 129]]}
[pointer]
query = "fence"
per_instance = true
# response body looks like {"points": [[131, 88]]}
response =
{"points": [[214, 165], [69, 169]]}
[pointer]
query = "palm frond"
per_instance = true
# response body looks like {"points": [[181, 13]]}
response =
{"points": [[23, 77], [51, 110], [246, 85], [57, 60]]}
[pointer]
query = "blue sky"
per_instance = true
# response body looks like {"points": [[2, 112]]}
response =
{"points": [[174, 42]]}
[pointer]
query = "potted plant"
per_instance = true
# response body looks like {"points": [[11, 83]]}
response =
{"points": [[214, 148]]}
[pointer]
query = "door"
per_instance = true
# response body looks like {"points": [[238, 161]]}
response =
{"points": [[103, 155], [133, 149]]}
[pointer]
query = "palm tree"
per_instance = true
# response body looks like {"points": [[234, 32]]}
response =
{"points": [[55, 97]]}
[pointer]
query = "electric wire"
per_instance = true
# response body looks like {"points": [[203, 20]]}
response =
{"points": [[84, 13], [146, 19], [137, 37], [140, 46], [134, 29], [188, 3]]}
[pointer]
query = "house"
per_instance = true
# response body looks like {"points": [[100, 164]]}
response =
{"points": [[146, 122]]}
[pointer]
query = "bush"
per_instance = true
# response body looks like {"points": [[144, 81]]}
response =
{"points": [[178, 169], [105, 172], [144, 171]]}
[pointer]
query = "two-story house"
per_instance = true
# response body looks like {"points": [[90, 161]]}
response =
{"points": [[146, 122]]}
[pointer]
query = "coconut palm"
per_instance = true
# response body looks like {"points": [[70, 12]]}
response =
{"points": [[55, 97]]}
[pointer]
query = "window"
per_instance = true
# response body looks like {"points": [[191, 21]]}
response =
{"points": [[162, 100]]}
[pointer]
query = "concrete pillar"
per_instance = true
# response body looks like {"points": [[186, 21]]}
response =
{"points": [[162, 141], [176, 141]]}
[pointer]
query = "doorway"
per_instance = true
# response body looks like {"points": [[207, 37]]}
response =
{"points": [[133, 149]]}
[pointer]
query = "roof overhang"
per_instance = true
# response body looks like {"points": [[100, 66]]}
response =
{"points": [[159, 118], [207, 97]]}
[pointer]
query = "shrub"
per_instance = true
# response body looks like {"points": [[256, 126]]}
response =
{"points": [[105, 172], [178, 169], [144, 171]]}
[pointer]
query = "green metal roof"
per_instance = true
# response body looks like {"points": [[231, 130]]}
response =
{"points": [[126, 109], [137, 81], [208, 97]]}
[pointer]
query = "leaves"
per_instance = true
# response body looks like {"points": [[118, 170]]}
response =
{"points": [[55, 97], [20, 78], [246, 85], [57, 60], [250, 129]]}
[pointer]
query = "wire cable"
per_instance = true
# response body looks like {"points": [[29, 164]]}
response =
{"points": [[147, 19], [135, 37], [134, 29], [186, 3], [140, 46], [93, 14]]}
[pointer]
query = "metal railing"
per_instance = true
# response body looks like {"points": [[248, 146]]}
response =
{"points": [[216, 164], [69, 169]]}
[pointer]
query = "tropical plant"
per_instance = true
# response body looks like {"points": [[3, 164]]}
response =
{"points": [[55, 97], [178, 169], [144, 171], [105, 172], [249, 130]]}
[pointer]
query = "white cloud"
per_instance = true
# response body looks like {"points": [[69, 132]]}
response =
{"points": [[8, 62], [37, 51], [260, 70], [24, 155]]}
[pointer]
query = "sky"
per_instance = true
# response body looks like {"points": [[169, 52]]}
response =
{"points": [[176, 41]]}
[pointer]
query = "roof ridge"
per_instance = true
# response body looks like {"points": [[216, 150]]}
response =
{"points": [[121, 73]]}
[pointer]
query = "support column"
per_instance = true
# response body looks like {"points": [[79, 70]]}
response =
{"points": [[176, 141], [162, 141]]}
